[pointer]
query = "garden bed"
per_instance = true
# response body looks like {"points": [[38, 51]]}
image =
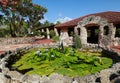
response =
{"points": [[69, 61]]}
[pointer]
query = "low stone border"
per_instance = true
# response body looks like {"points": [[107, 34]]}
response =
{"points": [[112, 54], [17, 40], [111, 75]]}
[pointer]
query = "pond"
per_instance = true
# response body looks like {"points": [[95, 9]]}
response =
{"points": [[70, 62]]}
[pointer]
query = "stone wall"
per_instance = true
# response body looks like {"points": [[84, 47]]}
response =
{"points": [[18, 40], [116, 41], [91, 21], [104, 40], [109, 39]]}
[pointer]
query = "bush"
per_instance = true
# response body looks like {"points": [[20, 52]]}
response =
{"points": [[43, 34], [4, 32], [55, 38], [77, 41], [52, 33]]}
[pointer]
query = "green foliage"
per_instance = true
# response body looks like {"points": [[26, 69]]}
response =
{"points": [[77, 42], [47, 24], [55, 38], [18, 11], [69, 62], [43, 33], [4, 32], [117, 34], [52, 33]]}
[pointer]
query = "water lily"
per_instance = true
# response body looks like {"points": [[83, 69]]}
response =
{"points": [[46, 50], [52, 56], [38, 52]]}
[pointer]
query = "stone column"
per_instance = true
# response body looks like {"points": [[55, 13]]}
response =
{"points": [[48, 33], [56, 32], [83, 35], [112, 30], [42, 30], [100, 35]]}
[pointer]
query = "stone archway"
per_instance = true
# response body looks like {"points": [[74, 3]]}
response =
{"points": [[89, 22]]}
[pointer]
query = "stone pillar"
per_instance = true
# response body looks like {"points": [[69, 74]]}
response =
{"points": [[112, 30], [42, 30], [83, 35], [100, 35], [56, 32], [48, 35]]}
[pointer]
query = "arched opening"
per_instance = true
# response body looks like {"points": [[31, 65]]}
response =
{"points": [[117, 33], [59, 30], [106, 30], [78, 31], [92, 33], [70, 31]]}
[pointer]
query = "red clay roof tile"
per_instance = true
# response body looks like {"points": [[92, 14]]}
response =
{"points": [[112, 17]]}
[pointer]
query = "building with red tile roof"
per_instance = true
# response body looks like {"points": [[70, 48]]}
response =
{"points": [[112, 17], [101, 28]]}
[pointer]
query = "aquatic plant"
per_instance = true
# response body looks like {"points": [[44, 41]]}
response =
{"points": [[69, 62]]}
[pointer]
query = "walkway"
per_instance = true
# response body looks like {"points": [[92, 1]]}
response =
{"points": [[43, 41], [4, 48], [116, 48]]}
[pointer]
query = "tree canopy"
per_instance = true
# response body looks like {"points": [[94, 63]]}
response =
{"points": [[19, 12]]}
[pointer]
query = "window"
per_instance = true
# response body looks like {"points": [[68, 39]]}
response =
{"points": [[106, 30], [70, 31], [78, 29]]}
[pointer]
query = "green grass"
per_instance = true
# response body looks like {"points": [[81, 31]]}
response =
{"points": [[69, 62]]}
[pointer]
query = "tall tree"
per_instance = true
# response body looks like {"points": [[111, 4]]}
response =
{"points": [[34, 15], [17, 11]]}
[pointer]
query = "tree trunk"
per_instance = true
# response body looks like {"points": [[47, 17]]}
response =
{"points": [[11, 32]]}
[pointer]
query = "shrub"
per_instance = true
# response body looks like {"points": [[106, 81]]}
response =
{"points": [[4, 32], [43, 34], [77, 41], [52, 33], [55, 38]]}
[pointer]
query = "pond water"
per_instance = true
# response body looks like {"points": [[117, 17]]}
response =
{"points": [[70, 62]]}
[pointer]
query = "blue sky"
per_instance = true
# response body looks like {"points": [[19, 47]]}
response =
{"points": [[76, 8]]}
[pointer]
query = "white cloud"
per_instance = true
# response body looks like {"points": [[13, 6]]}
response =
{"points": [[62, 20], [43, 20]]}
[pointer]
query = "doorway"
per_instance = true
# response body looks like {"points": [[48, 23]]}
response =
{"points": [[92, 34]]}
